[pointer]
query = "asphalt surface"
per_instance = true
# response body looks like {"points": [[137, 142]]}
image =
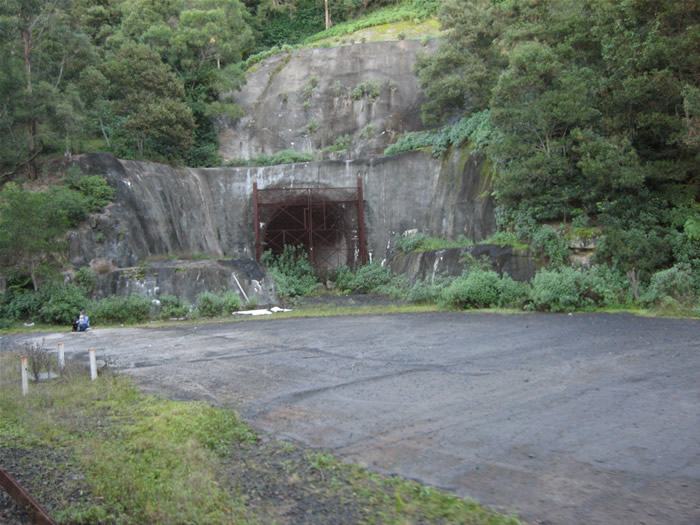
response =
{"points": [[560, 419]]}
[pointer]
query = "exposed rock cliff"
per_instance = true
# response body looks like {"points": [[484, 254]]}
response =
{"points": [[303, 100], [307, 99], [164, 211]]}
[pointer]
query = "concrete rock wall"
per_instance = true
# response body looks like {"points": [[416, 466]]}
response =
{"points": [[187, 279], [520, 266], [160, 210]]}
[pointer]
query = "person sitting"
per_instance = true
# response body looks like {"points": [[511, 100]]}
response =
{"points": [[82, 324]]}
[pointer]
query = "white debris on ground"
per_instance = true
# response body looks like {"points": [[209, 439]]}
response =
{"points": [[264, 311]]}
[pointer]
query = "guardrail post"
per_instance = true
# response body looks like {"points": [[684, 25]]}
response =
{"points": [[25, 375], [61, 357], [93, 364]]}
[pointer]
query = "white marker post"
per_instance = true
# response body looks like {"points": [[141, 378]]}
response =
{"points": [[93, 364], [61, 357], [25, 375]]}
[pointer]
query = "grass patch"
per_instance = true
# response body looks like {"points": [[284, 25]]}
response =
{"points": [[412, 30], [145, 459], [404, 16], [282, 157], [103, 451], [387, 24]]}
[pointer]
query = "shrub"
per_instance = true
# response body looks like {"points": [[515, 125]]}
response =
{"points": [[342, 277], [40, 358], [61, 304], [409, 243], [55, 303], [547, 243], [607, 287], [21, 305], [558, 290], [231, 302], [337, 88], [370, 276], [475, 288], [475, 128], [282, 157], [95, 188], [370, 89], [676, 283], [85, 278], [67, 205], [503, 238], [342, 142], [209, 304], [114, 309], [512, 293], [428, 290], [291, 271], [397, 288], [173, 307]]}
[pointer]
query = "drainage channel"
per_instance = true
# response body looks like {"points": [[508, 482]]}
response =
{"points": [[35, 511]]}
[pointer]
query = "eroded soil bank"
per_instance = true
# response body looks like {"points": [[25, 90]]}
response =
{"points": [[562, 419]]}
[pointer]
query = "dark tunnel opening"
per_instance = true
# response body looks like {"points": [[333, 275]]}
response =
{"points": [[324, 230], [327, 223]]}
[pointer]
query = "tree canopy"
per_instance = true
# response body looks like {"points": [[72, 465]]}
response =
{"points": [[592, 113]]}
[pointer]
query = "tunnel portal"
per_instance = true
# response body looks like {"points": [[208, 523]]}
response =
{"points": [[327, 222]]}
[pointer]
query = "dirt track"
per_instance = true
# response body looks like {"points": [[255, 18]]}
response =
{"points": [[561, 419]]}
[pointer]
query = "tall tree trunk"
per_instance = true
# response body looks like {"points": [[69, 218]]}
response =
{"points": [[328, 14], [31, 121]]}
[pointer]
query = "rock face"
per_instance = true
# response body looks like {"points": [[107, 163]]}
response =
{"points": [[521, 266], [164, 211], [306, 100], [187, 279]]}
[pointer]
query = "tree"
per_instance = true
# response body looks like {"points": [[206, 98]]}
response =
{"points": [[43, 50], [211, 32], [146, 100], [30, 230], [593, 108], [459, 77]]}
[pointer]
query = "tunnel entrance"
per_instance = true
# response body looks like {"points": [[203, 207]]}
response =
{"points": [[327, 222]]}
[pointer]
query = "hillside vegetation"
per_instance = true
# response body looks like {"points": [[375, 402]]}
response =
{"points": [[587, 111]]}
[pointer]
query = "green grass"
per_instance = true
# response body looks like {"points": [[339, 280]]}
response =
{"points": [[145, 459], [405, 16], [386, 24]]}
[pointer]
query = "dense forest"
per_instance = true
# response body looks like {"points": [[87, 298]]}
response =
{"points": [[139, 78], [588, 111]]}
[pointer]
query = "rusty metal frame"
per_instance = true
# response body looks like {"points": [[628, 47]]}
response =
{"points": [[312, 214], [35, 511]]}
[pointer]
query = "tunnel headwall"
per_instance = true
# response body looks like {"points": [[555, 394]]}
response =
{"points": [[160, 210]]}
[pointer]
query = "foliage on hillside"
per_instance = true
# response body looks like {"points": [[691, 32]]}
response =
{"points": [[32, 223], [588, 112], [142, 79]]}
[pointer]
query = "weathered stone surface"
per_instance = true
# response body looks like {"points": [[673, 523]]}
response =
{"points": [[160, 210], [187, 279], [521, 266], [304, 101]]}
